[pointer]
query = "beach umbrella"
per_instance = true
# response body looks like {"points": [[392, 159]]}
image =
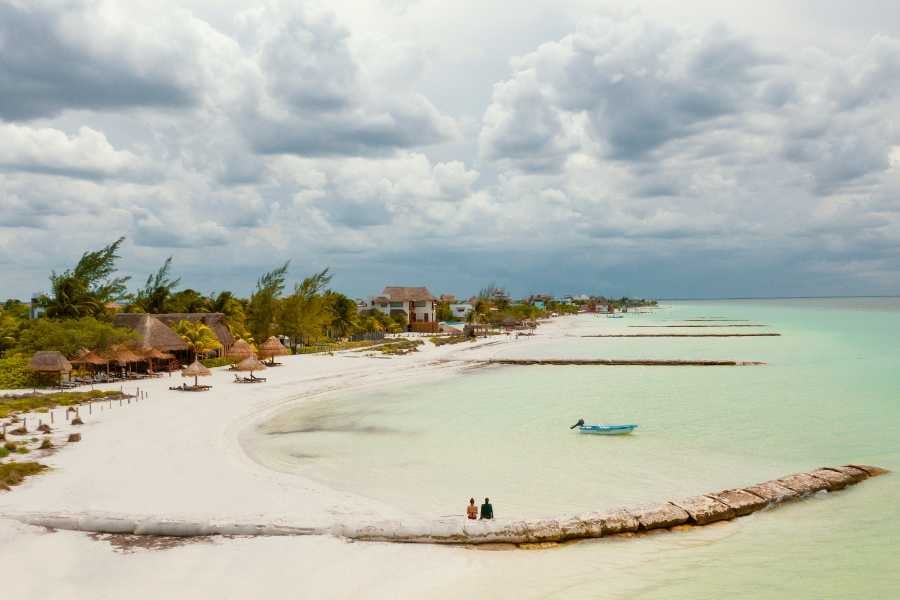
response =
{"points": [[271, 348], [251, 364], [240, 350], [196, 370], [50, 362]]}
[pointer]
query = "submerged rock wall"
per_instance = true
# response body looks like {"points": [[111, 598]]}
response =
{"points": [[695, 510]]}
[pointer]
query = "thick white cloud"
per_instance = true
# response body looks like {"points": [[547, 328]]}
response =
{"points": [[86, 154], [635, 153], [102, 55]]}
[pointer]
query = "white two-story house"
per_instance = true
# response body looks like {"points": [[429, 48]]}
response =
{"points": [[416, 303]]}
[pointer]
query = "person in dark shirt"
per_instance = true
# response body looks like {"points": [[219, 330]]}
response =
{"points": [[487, 511]]}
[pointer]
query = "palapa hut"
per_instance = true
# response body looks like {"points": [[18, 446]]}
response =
{"points": [[195, 370], [152, 333], [123, 356], [271, 348], [215, 321], [240, 350], [152, 354], [251, 364], [50, 361], [88, 359]]}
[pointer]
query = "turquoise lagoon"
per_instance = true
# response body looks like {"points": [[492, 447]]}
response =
{"points": [[829, 394]]}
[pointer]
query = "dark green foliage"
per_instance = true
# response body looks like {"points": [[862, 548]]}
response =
{"points": [[85, 290], [32, 402], [69, 336], [154, 296], [264, 303], [14, 473], [14, 373], [211, 363]]}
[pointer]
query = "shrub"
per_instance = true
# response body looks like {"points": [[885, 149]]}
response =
{"points": [[10, 446], [14, 373], [4, 452], [22, 450], [32, 402], [13, 473], [46, 444], [212, 363]]}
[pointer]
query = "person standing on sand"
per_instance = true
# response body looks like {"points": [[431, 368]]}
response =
{"points": [[487, 511], [472, 510]]}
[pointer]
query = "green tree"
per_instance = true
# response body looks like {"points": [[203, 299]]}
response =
{"points": [[188, 301], [198, 337], [235, 316], [13, 318], [303, 315], [263, 306], [86, 289], [71, 335], [153, 297], [398, 322], [342, 313], [443, 312]]}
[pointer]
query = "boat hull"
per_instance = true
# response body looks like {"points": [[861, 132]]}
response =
{"points": [[607, 429]]}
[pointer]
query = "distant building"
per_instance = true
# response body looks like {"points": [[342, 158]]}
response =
{"points": [[459, 310], [448, 298], [35, 310], [416, 303]]}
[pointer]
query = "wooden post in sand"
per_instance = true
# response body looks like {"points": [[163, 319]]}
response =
{"points": [[51, 416]]}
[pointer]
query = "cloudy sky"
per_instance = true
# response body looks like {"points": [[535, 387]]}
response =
{"points": [[705, 148]]}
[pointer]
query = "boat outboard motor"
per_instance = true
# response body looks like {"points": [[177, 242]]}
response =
{"points": [[578, 424]]}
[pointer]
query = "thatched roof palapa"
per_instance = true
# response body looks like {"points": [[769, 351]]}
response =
{"points": [[250, 364], [196, 369], [407, 294], [123, 355], [153, 332], [87, 357], [240, 350], [156, 354], [215, 321], [49, 361], [272, 347]]}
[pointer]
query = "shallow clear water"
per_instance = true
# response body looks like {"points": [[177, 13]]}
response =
{"points": [[829, 394]]}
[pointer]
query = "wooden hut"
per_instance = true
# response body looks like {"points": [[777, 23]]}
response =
{"points": [[50, 361]]}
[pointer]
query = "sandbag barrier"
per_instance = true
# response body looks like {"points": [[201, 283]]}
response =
{"points": [[696, 510]]}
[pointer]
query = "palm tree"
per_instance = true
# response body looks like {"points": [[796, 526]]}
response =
{"points": [[199, 338], [85, 290]]}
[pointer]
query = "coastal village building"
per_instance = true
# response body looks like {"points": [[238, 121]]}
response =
{"points": [[416, 303], [459, 310]]}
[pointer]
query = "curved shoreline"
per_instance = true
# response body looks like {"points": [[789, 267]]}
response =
{"points": [[693, 511]]}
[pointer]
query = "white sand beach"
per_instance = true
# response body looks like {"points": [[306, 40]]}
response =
{"points": [[177, 455]]}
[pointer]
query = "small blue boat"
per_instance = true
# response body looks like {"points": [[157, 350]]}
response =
{"points": [[607, 429]]}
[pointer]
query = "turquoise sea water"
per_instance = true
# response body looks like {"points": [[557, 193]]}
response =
{"points": [[829, 394]]}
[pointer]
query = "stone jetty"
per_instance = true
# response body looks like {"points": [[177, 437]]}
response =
{"points": [[692, 511], [680, 335], [616, 362]]}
